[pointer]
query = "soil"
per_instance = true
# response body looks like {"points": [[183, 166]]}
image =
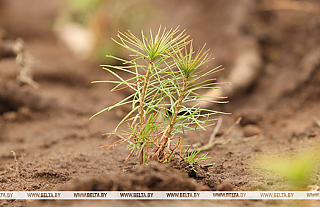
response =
{"points": [[57, 147]]}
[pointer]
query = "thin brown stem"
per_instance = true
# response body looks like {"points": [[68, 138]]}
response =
{"points": [[141, 111], [143, 93], [174, 118]]}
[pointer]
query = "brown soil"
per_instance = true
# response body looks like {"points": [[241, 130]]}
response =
{"points": [[57, 146]]}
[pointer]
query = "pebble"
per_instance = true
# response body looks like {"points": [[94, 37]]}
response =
{"points": [[250, 130], [250, 117]]}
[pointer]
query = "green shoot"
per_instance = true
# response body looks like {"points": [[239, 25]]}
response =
{"points": [[193, 157]]}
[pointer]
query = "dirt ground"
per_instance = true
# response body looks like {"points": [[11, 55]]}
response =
{"points": [[56, 146]]}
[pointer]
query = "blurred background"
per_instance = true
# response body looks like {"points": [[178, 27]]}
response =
{"points": [[50, 51], [265, 45]]}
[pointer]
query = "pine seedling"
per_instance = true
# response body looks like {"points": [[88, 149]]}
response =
{"points": [[165, 75]]}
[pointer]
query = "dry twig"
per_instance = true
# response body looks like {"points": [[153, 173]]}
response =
{"points": [[216, 129], [316, 121], [209, 145]]}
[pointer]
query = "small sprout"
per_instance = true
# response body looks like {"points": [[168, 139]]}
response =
{"points": [[193, 157]]}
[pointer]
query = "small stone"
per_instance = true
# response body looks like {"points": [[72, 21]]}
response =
{"points": [[250, 117], [250, 130]]}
